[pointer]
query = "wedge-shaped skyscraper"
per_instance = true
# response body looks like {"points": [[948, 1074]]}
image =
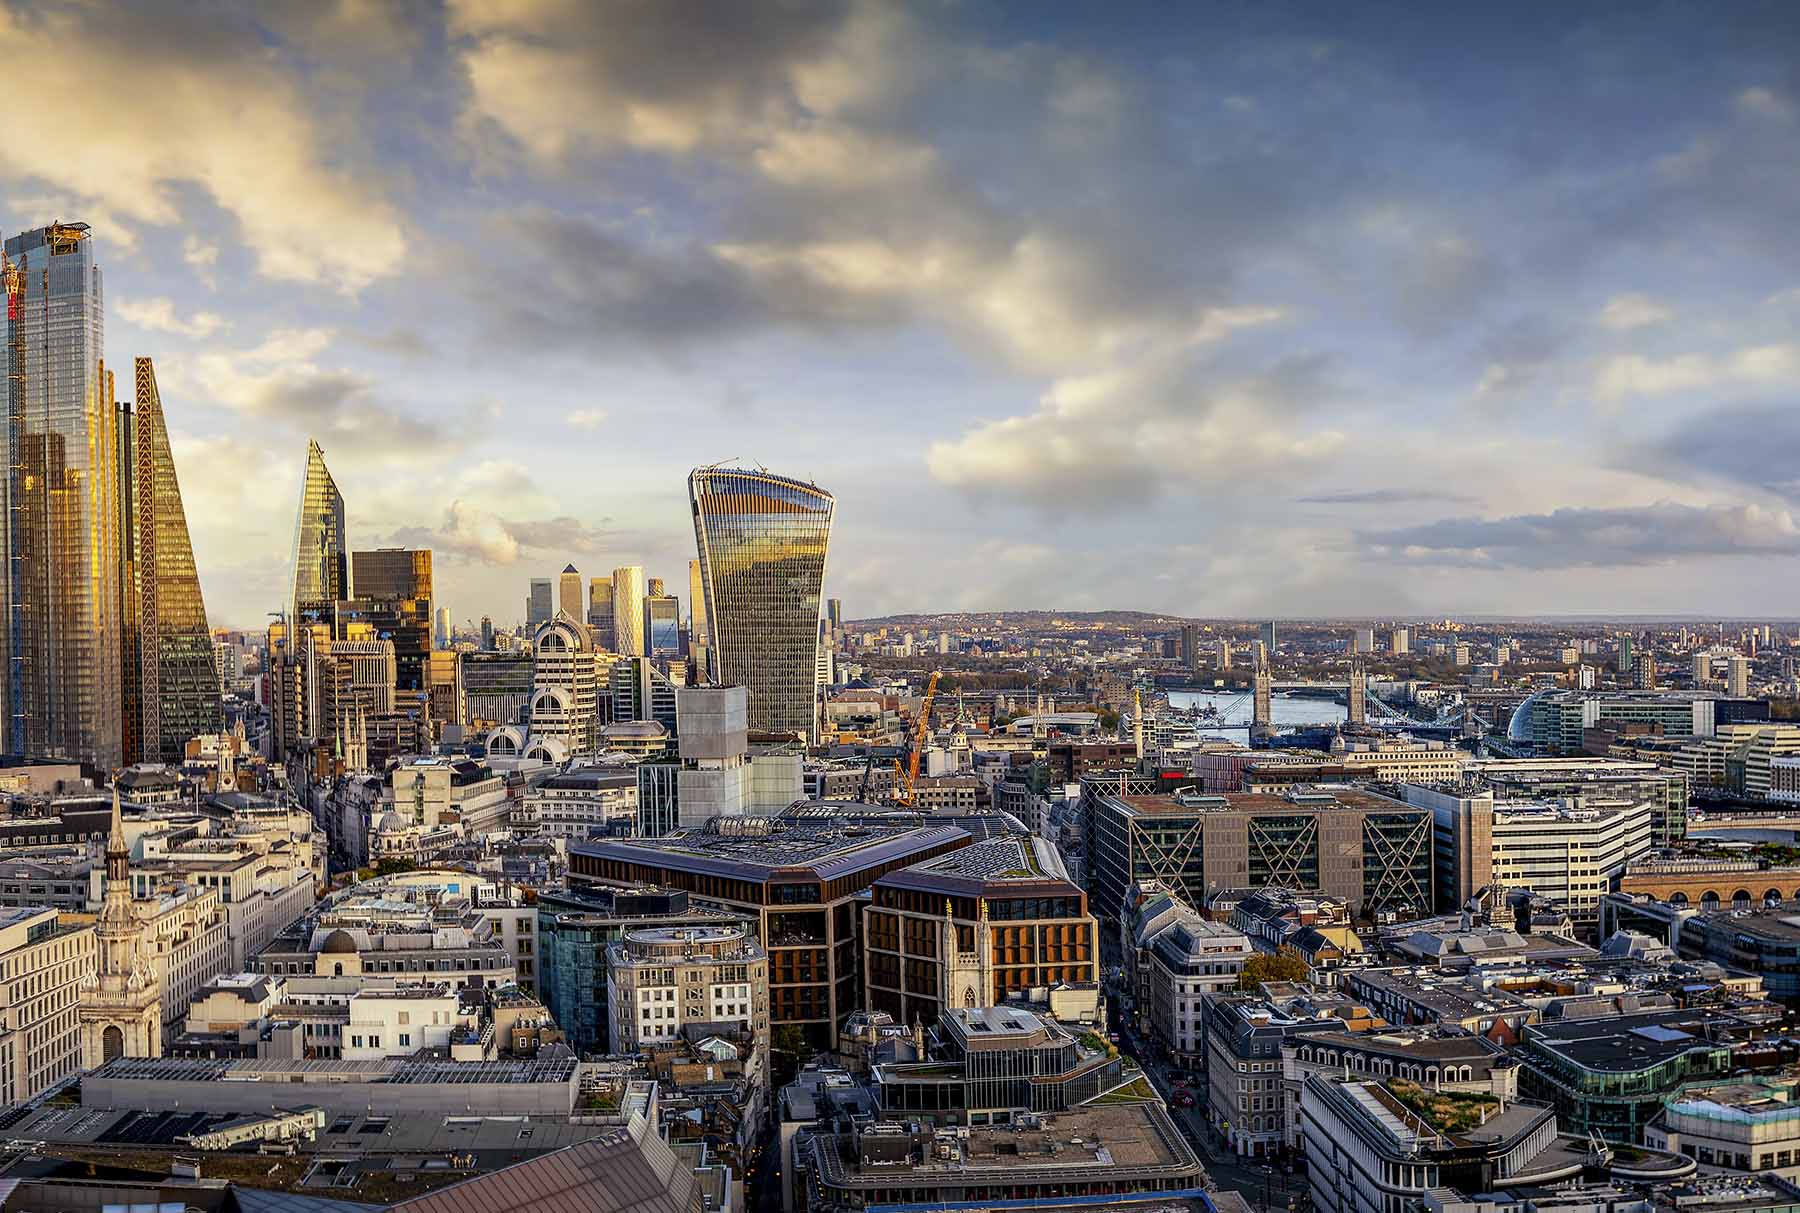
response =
{"points": [[321, 552], [762, 541], [178, 682]]}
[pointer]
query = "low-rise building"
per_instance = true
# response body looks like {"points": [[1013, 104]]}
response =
{"points": [[1740, 1126], [1180, 959], [665, 981], [582, 801], [44, 959], [392, 931]]}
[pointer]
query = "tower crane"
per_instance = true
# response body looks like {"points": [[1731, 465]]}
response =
{"points": [[903, 793]]}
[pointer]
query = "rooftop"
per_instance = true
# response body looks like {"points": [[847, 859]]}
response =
{"points": [[1304, 799], [987, 867], [822, 849]]}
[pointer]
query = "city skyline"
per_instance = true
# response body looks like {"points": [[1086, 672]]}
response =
{"points": [[1352, 315]]}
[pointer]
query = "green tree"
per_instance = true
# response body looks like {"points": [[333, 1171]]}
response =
{"points": [[789, 1039], [1285, 965]]}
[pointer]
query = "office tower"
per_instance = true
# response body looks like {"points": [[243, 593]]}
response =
{"points": [[1224, 653], [834, 613], [1268, 638], [600, 611], [568, 593], [540, 603], [654, 588], [762, 542], [697, 636], [1400, 642], [662, 625], [321, 550], [1190, 646], [487, 633], [1737, 678], [393, 596], [175, 676], [440, 635], [60, 578], [628, 610]]}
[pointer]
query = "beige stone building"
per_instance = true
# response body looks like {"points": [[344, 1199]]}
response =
{"points": [[663, 979], [43, 961]]}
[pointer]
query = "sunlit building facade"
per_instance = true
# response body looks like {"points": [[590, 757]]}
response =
{"points": [[762, 541], [321, 549], [60, 578], [628, 610], [175, 675]]}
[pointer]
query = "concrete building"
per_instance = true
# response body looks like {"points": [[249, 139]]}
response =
{"points": [[1179, 963], [664, 980], [974, 928], [394, 930], [582, 801], [44, 961], [800, 883], [1372, 850], [1741, 1126], [1592, 783], [1573, 856]]}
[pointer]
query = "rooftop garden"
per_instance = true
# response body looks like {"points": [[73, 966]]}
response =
{"points": [[1445, 1111], [1138, 1090]]}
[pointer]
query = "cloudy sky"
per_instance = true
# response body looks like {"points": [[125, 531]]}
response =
{"points": [[1209, 309]]}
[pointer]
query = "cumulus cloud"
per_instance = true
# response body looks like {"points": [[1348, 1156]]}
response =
{"points": [[1626, 375], [158, 314], [1748, 444], [1128, 434], [1381, 497], [478, 535], [1658, 534], [1629, 311], [226, 116], [282, 380]]}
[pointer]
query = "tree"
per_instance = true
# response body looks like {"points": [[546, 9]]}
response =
{"points": [[1285, 965], [789, 1039]]}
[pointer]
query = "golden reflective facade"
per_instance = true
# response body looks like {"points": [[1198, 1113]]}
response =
{"points": [[178, 691], [762, 540], [60, 578], [321, 553]]}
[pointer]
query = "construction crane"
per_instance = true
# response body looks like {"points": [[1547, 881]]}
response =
{"points": [[903, 792]]}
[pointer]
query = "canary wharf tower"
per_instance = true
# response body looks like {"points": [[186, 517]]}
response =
{"points": [[762, 541], [60, 577]]}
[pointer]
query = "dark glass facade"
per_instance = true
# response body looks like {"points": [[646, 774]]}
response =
{"points": [[394, 593], [321, 553]]}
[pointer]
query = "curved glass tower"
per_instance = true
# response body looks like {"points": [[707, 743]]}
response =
{"points": [[762, 541]]}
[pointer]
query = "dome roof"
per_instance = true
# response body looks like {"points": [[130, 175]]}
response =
{"points": [[390, 821], [339, 941]]}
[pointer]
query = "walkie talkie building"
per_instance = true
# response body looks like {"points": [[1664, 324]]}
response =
{"points": [[762, 542]]}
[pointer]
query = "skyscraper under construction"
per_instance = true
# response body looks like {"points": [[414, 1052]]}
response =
{"points": [[59, 581], [762, 543]]}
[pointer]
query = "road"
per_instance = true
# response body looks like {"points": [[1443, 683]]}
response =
{"points": [[1262, 1184]]}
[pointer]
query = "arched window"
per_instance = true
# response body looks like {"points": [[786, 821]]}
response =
{"points": [[112, 1043]]}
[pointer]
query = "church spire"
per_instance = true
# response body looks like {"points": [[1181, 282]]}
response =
{"points": [[118, 858]]}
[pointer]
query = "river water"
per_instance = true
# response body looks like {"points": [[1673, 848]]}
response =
{"points": [[1288, 711]]}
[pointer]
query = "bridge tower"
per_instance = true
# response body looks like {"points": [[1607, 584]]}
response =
{"points": [[1359, 692], [1261, 722]]}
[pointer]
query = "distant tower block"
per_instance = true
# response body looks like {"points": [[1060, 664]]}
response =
{"points": [[1359, 693], [1261, 723]]}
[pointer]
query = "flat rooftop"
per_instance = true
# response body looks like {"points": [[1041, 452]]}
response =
{"points": [[1308, 800], [822, 849], [987, 867], [1625, 1043], [299, 1073]]}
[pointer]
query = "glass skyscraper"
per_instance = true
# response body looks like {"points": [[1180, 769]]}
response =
{"points": [[762, 540], [321, 551], [662, 625], [628, 610], [177, 677], [60, 578]]}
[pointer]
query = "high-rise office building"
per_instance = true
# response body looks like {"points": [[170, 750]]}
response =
{"points": [[662, 625], [321, 549], [834, 613], [487, 634], [762, 542], [653, 588], [1268, 638], [697, 607], [60, 578], [568, 593], [628, 610], [599, 615], [540, 604], [171, 665], [1190, 646], [440, 632], [393, 595]]}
